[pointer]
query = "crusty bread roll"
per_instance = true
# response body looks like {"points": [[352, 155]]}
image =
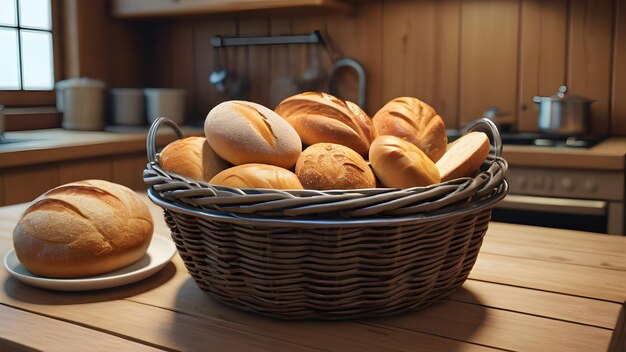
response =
{"points": [[414, 121], [192, 157], [242, 132], [322, 118], [464, 156], [400, 164], [83, 228], [326, 166], [257, 176]]}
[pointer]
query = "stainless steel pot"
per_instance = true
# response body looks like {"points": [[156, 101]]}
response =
{"points": [[562, 114]]}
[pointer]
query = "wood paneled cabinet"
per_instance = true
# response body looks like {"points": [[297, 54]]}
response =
{"points": [[163, 8], [25, 183]]}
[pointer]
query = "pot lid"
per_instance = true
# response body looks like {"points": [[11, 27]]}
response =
{"points": [[80, 82], [562, 96]]}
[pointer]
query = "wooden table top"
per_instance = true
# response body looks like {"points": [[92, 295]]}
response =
{"points": [[532, 289]]}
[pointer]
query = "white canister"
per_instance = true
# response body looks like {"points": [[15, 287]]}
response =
{"points": [[127, 106], [165, 102], [82, 102]]}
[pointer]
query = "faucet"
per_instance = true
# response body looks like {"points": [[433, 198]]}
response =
{"points": [[360, 71]]}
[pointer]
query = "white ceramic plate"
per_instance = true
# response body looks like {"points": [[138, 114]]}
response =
{"points": [[159, 253]]}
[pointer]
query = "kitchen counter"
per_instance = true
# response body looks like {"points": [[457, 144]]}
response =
{"points": [[44, 146], [532, 289], [607, 155]]}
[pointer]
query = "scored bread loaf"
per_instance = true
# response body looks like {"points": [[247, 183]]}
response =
{"points": [[257, 176], [83, 228], [243, 132], [464, 156], [400, 164], [414, 121], [192, 157], [325, 166], [322, 118]]}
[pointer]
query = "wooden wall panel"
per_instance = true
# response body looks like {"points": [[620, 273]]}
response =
{"points": [[421, 53], [489, 43], [618, 97], [205, 95], [128, 170], [543, 52], [23, 184], [282, 64], [100, 168], [589, 71], [359, 36], [257, 60]]}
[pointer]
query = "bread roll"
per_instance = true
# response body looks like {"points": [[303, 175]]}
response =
{"points": [[400, 164], [414, 121], [322, 118], [83, 228], [326, 166], [257, 176], [192, 157], [464, 156], [242, 132]]}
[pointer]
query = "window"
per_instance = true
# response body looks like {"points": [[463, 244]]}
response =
{"points": [[27, 61]]}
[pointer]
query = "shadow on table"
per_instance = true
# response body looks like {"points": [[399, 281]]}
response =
{"points": [[448, 325], [20, 291], [618, 339]]}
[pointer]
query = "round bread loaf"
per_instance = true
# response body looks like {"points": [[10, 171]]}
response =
{"points": [[414, 121], [326, 166], [322, 118], [464, 156], [83, 228], [192, 157], [257, 176], [400, 164], [242, 132]]}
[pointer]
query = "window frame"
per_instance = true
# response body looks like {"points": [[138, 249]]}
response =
{"points": [[16, 98]]}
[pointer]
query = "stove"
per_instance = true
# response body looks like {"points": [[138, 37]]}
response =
{"points": [[561, 197], [542, 140]]}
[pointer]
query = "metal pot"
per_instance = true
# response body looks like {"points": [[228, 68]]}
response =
{"points": [[562, 114]]}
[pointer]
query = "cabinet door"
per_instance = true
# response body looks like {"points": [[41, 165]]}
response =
{"points": [[488, 74], [23, 184]]}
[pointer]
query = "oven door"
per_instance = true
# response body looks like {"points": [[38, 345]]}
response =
{"points": [[575, 214]]}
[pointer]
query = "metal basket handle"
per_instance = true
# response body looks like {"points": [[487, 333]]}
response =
{"points": [[152, 134], [486, 125]]}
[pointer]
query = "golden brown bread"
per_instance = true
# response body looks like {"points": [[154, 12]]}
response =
{"points": [[83, 228], [257, 176], [400, 164], [326, 166], [414, 121], [243, 132], [464, 156], [192, 157], [322, 118]]}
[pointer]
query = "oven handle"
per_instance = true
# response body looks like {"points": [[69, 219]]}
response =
{"points": [[553, 205]]}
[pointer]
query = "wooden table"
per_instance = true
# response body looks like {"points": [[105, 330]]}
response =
{"points": [[532, 289]]}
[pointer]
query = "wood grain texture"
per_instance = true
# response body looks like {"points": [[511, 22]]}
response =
{"points": [[421, 53], [257, 67], [359, 35], [161, 8], [542, 57], [205, 95], [618, 91], [589, 57], [38, 333], [489, 52], [502, 328], [30, 181], [101, 168], [128, 171], [282, 64]]}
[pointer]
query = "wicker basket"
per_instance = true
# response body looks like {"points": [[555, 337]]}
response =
{"points": [[328, 254]]}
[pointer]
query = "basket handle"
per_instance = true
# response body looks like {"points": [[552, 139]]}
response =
{"points": [[152, 134], [486, 125]]}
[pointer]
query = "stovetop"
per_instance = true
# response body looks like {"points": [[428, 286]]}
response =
{"points": [[541, 140]]}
